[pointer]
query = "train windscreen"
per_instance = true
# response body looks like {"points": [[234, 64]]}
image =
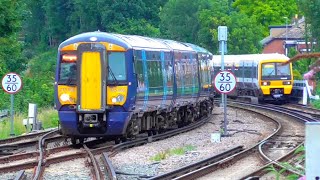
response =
{"points": [[275, 71], [68, 71], [117, 67]]}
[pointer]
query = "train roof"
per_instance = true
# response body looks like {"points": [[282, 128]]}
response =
{"points": [[216, 59], [198, 48], [133, 42]]}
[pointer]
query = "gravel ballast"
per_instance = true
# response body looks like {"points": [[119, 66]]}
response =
{"points": [[244, 128]]}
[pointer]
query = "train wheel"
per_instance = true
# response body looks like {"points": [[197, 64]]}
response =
{"points": [[74, 141], [117, 141], [154, 132], [124, 139]]}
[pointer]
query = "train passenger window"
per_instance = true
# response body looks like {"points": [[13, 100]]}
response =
{"points": [[116, 62], [204, 72], [247, 72], [254, 72], [68, 73]]}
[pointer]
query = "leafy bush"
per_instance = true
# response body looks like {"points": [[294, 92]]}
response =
{"points": [[38, 81]]}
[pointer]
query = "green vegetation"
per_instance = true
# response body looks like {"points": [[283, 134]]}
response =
{"points": [[271, 12], [48, 117], [287, 166], [170, 152], [5, 126], [309, 9]]}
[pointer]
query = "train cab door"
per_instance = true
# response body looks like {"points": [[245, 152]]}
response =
{"points": [[91, 78]]}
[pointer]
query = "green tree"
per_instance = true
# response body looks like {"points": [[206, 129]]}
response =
{"points": [[179, 19], [11, 16], [310, 9], [33, 26], [84, 16], [244, 33], [56, 27], [269, 12], [130, 16]]}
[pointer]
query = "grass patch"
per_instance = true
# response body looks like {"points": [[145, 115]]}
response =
{"points": [[170, 152], [48, 117], [5, 126]]}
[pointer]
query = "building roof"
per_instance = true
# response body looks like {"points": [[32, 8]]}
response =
{"points": [[294, 32]]}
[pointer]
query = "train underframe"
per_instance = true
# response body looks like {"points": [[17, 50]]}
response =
{"points": [[275, 95], [160, 121], [120, 126]]}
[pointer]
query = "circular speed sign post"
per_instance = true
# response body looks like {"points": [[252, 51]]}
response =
{"points": [[11, 84], [225, 82]]}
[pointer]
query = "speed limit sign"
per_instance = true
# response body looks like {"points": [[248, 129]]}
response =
{"points": [[11, 83], [225, 82]]}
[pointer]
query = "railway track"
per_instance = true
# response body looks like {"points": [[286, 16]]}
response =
{"points": [[30, 145], [48, 157], [315, 113], [278, 147], [26, 137]]}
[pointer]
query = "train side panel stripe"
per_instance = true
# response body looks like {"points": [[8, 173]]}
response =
{"points": [[164, 76], [146, 80]]}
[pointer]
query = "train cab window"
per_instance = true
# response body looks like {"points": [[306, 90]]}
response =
{"points": [[275, 71], [68, 73], [268, 69], [283, 69], [117, 66]]}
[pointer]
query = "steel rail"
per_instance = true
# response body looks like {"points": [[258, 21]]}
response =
{"points": [[213, 161], [21, 175], [113, 150], [200, 172], [111, 173], [286, 157], [211, 166], [27, 136], [94, 163], [39, 169]]}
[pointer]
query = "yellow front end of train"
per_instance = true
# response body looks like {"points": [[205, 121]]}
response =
{"points": [[275, 78]]}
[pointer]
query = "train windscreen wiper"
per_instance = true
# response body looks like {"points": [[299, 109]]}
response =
{"points": [[270, 73], [113, 76]]}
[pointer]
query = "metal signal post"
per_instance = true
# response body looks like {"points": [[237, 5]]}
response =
{"points": [[222, 38]]}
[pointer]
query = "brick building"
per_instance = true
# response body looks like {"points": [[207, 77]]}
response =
{"points": [[283, 37]]}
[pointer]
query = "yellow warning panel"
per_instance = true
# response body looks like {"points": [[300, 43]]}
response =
{"points": [[91, 84]]}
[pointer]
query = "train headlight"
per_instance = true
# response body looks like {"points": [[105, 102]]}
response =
{"points": [[65, 97], [120, 98], [266, 83], [117, 99], [286, 82]]}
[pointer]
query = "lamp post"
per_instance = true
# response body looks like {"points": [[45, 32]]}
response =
{"points": [[285, 44]]}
